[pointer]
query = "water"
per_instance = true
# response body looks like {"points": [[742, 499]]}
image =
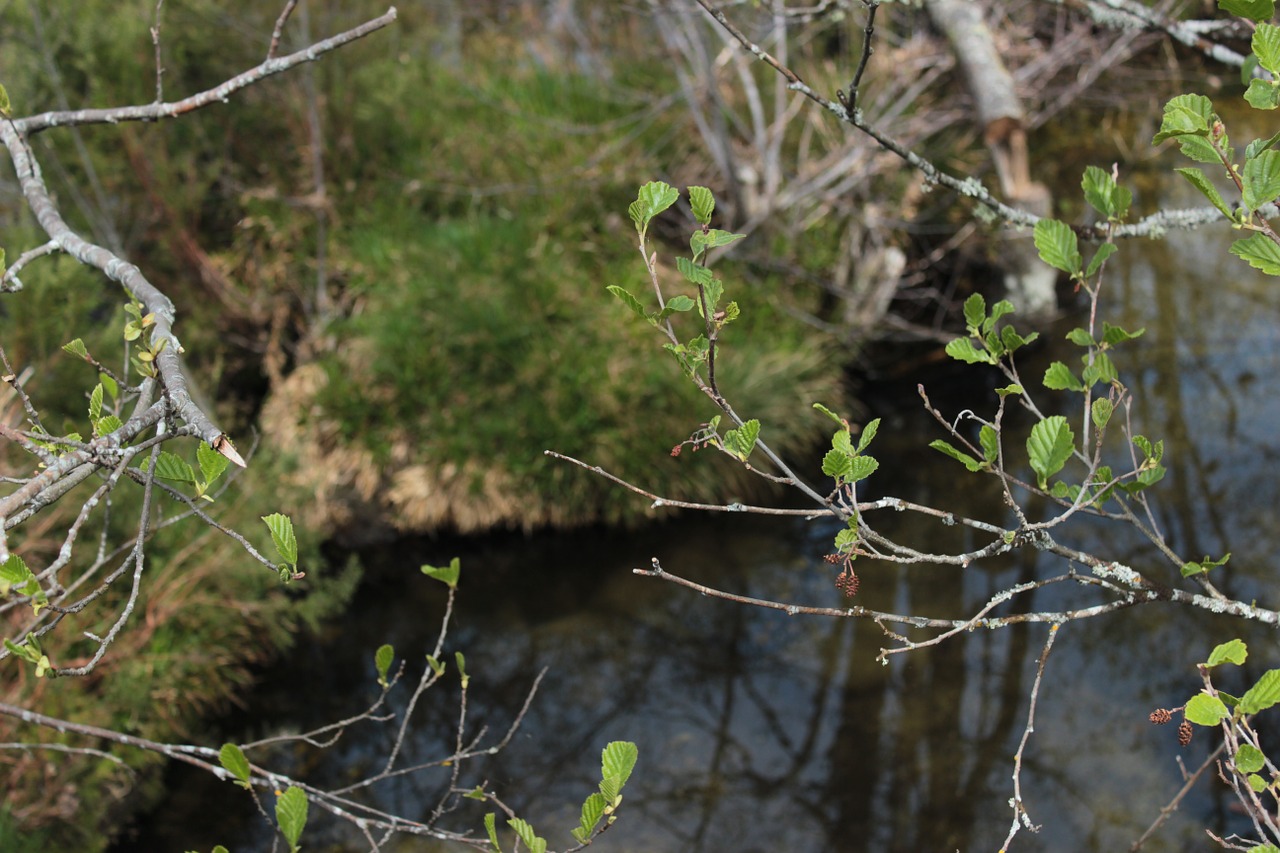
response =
{"points": [[760, 731]]}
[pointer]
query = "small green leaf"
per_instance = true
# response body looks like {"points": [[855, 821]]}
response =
{"points": [[831, 414], [1258, 784], [382, 659], [868, 434], [1232, 651], [1189, 569], [109, 385], [1254, 10], [617, 760], [1185, 114], [990, 443], [1257, 146], [592, 810], [447, 575], [212, 463], [1112, 335], [975, 311], [5, 106], [76, 348], [1200, 149], [680, 303], [170, 466], [282, 536], [695, 273], [716, 238], [861, 467], [1206, 710], [232, 759], [703, 203], [1049, 447], [491, 828], [1262, 695], [653, 198], [1100, 369], [95, 402], [461, 660], [837, 464], [627, 299], [107, 424], [436, 666], [1000, 309], [1260, 252], [1105, 251], [476, 793], [1058, 377], [1101, 410], [962, 349], [1009, 389], [1262, 95], [526, 834], [740, 442], [291, 815], [1206, 187], [1261, 180], [1058, 246], [964, 458], [1266, 45]]}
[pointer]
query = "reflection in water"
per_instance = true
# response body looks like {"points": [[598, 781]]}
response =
{"points": [[763, 732]]}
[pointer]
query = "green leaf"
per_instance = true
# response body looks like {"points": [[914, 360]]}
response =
{"points": [[712, 291], [1261, 180], [1262, 95], [703, 204], [680, 303], [868, 434], [232, 759], [1105, 251], [1100, 369], [862, 467], [964, 458], [846, 539], [107, 424], [1101, 410], [170, 466], [491, 828], [1112, 335], [975, 311], [291, 815], [382, 661], [990, 443], [1232, 651], [282, 536], [962, 349], [1207, 189], [1260, 252], [592, 810], [1102, 194], [1058, 246], [617, 760], [1266, 45], [1009, 389], [716, 238], [212, 463], [1258, 784], [831, 414], [1206, 710], [695, 273], [460, 659], [1200, 149], [1049, 447], [740, 442], [1254, 10], [1185, 114], [1189, 569], [5, 106], [447, 575], [95, 402], [1002, 308], [109, 385], [525, 833], [436, 666], [838, 465], [1259, 145], [1058, 377], [76, 348], [1262, 695], [653, 198], [627, 299]]}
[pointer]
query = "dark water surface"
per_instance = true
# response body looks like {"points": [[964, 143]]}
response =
{"points": [[760, 731]]}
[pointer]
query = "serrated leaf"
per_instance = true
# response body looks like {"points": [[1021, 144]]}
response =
{"points": [[1049, 447], [868, 434], [1262, 695], [76, 348], [1105, 251], [1254, 10], [831, 414], [1185, 114], [170, 466], [592, 810], [703, 204], [447, 575], [1206, 710], [491, 829], [990, 443], [95, 402], [680, 303], [382, 659], [107, 424], [712, 291], [617, 760], [282, 536], [232, 759], [1100, 369], [962, 349], [1101, 410], [1207, 189], [1257, 146], [842, 441], [1262, 95], [962, 457], [526, 834], [291, 814], [1058, 246], [838, 465], [975, 311], [715, 238], [1001, 309], [1097, 186], [740, 442], [653, 198], [627, 299], [1258, 784], [1200, 149], [1058, 377], [1259, 252], [212, 463], [1266, 46], [1261, 179], [109, 385], [1232, 651], [1112, 335], [862, 467], [696, 273]]}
